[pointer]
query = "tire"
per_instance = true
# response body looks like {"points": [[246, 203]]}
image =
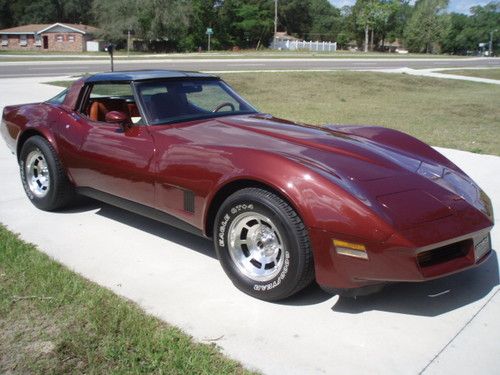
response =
{"points": [[43, 176], [263, 245]]}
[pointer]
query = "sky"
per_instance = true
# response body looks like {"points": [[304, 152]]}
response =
{"points": [[458, 6]]}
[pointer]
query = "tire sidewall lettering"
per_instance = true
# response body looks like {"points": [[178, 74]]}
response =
{"points": [[222, 237], [232, 212], [22, 166], [279, 278]]}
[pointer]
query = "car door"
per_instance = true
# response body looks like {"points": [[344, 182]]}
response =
{"points": [[110, 157]]}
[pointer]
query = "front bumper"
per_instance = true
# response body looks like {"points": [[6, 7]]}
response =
{"points": [[394, 261]]}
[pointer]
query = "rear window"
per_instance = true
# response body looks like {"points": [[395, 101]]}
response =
{"points": [[59, 98]]}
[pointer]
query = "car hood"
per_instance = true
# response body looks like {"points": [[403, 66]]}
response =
{"points": [[374, 168], [346, 155]]}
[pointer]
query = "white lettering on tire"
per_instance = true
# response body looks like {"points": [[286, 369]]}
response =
{"points": [[222, 230], [281, 276], [23, 179], [225, 220]]}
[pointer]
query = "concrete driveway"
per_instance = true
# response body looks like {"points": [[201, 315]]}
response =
{"points": [[445, 326]]}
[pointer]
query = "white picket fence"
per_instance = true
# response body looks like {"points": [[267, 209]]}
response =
{"points": [[293, 45]]}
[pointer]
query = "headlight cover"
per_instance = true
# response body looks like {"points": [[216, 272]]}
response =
{"points": [[458, 184]]}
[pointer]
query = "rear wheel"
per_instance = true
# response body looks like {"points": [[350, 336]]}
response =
{"points": [[263, 245], [43, 177]]}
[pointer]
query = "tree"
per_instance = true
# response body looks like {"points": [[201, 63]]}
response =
{"points": [[455, 41], [48, 11], [5, 14], [255, 23], [112, 23], [161, 23], [181, 24], [326, 21], [427, 26], [294, 17], [204, 13], [369, 15], [399, 20], [385, 18]]}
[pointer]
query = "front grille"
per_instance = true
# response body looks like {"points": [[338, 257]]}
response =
{"points": [[444, 254]]}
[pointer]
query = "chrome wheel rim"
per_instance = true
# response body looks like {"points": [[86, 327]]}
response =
{"points": [[37, 173], [255, 246]]}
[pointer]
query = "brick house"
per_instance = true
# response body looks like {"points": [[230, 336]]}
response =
{"points": [[61, 37]]}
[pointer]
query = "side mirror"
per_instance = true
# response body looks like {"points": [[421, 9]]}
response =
{"points": [[117, 117]]}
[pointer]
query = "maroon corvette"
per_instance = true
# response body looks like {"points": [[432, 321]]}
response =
{"points": [[353, 207]]}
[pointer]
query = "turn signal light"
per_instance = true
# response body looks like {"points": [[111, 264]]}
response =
{"points": [[351, 249]]}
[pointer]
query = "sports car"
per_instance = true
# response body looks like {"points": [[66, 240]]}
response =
{"points": [[352, 207]]}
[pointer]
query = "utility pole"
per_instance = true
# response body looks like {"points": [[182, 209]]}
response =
{"points": [[275, 21], [491, 42], [128, 42]]}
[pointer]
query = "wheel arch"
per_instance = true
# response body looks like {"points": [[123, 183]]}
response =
{"points": [[233, 186], [31, 132]]}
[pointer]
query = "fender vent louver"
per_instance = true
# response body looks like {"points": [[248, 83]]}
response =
{"points": [[189, 201]]}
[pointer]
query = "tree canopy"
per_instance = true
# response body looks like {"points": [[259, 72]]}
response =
{"points": [[180, 25]]}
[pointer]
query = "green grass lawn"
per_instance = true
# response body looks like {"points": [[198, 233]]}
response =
{"points": [[448, 113], [493, 73], [53, 321]]}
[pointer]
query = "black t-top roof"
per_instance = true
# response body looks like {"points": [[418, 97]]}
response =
{"points": [[144, 75]]}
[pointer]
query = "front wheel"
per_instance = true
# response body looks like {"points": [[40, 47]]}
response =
{"points": [[43, 177], [263, 245]]}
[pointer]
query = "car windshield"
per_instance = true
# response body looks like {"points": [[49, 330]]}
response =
{"points": [[175, 101]]}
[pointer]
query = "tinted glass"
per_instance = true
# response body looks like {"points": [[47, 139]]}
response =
{"points": [[59, 98], [107, 97], [111, 90], [174, 101]]}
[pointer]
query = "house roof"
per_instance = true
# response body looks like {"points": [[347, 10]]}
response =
{"points": [[284, 35], [144, 75], [41, 27]]}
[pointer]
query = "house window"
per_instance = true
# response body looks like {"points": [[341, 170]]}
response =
{"points": [[23, 40], [59, 38], [71, 38], [5, 40], [38, 40]]}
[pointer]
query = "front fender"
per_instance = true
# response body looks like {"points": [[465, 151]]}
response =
{"points": [[395, 139], [320, 202]]}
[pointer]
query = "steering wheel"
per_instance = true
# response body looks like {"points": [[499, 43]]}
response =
{"points": [[222, 105]]}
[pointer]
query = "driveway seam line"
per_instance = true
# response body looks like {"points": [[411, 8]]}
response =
{"points": [[458, 333]]}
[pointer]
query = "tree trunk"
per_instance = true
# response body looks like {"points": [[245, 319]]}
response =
{"points": [[366, 38], [371, 40]]}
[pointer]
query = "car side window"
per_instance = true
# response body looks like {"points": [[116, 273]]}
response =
{"points": [[107, 97], [59, 98], [111, 90]]}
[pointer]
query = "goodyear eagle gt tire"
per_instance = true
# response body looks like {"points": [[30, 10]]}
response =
{"points": [[43, 176], [263, 245]]}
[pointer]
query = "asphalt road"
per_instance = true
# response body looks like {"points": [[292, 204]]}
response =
{"points": [[61, 68]]}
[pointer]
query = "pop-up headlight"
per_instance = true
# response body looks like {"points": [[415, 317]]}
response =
{"points": [[458, 184]]}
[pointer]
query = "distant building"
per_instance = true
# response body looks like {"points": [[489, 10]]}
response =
{"points": [[60, 37], [283, 37]]}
